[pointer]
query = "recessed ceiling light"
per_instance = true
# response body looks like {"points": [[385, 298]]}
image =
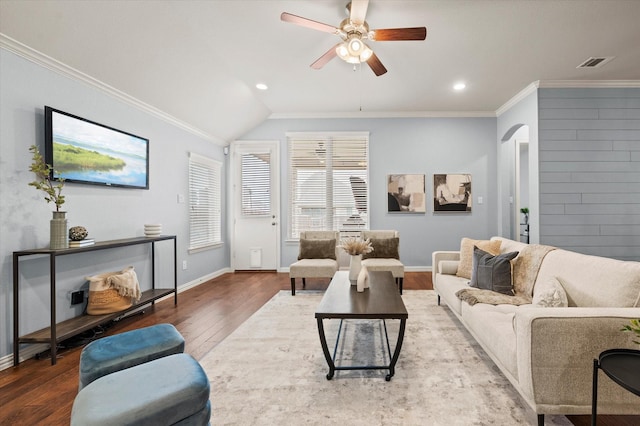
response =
{"points": [[262, 86], [459, 86]]}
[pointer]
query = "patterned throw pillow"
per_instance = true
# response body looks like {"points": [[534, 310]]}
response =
{"points": [[492, 272], [550, 294], [317, 249], [466, 254]]}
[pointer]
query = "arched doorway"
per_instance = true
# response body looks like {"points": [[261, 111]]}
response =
{"points": [[515, 182]]}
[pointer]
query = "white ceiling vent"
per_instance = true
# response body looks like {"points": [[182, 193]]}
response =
{"points": [[593, 62]]}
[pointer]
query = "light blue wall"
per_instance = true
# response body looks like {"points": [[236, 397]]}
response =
{"points": [[108, 213], [416, 146], [590, 170], [524, 113]]}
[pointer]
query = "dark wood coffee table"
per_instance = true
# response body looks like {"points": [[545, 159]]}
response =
{"points": [[380, 301]]}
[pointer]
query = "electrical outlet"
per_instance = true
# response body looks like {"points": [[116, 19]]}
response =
{"points": [[77, 297], [184, 265]]}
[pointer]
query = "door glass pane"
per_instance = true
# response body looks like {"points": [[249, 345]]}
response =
{"points": [[256, 183]]}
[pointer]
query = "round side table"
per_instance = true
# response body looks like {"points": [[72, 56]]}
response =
{"points": [[622, 366]]}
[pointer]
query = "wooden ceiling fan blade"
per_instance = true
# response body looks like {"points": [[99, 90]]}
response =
{"points": [[400, 34], [309, 23], [358, 11], [375, 65], [322, 60]]}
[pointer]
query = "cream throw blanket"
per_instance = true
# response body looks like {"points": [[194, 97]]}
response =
{"points": [[524, 273], [125, 282]]}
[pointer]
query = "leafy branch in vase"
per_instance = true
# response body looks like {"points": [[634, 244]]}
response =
{"points": [[43, 182]]}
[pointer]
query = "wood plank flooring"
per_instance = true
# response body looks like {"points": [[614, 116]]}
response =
{"points": [[37, 393]]}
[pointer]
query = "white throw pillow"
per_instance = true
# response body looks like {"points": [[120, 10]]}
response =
{"points": [[549, 294]]}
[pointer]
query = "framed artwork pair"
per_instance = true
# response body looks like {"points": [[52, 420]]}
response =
{"points": [[406, 193]]}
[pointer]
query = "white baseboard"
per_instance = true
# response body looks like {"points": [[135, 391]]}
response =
{"points": [[25, 354], [32, 350]]}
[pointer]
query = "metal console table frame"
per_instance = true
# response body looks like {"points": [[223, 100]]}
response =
{"points": [[381, 301], [57, 332]]}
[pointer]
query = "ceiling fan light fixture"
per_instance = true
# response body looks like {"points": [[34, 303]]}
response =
{"points": [[355, 46], [345, 54], [353, 50], [342, 51], [366, 54]]}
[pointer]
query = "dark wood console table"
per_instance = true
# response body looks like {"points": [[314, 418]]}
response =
{"points": [[57, 332]]}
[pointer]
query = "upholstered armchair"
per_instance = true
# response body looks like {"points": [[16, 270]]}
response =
{"points": [[317, 257], [385, 255]]}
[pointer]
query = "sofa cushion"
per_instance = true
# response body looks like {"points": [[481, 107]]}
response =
{"points": [[383, 248], [549, 294], [317, 249], [447, 286], [466, 254], [491, 272], [593, 281], [493, 327]]}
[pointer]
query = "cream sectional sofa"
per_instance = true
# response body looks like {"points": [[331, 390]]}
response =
{"points": [[547, 353]]}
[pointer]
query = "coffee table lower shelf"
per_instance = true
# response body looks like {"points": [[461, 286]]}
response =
{"points": [[331, 360]]}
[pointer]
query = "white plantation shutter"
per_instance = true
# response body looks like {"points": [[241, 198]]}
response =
{"points": [[328, 182], [204, 202]]}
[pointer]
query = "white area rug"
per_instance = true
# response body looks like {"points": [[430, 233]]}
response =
{"points": [[271, 371]]}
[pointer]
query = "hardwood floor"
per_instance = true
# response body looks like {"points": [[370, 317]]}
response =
{"points": [[37, 393]]}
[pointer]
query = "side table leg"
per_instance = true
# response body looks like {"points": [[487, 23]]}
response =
{"points": [[325, 349], [594, 393]]}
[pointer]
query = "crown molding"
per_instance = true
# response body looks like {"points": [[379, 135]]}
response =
{"points": [[49, 63], [565, 84], [382, 114], [517, 98]]}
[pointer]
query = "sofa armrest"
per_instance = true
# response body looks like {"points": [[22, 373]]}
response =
{"points": [[556, 348], [437, 257]]}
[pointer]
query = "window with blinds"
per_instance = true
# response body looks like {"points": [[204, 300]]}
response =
{"points": [[328, 182], [205, 189]]}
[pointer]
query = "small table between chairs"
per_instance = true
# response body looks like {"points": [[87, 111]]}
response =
{"points": [[622, 366]]}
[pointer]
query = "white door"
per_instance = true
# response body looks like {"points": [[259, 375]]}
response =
{"points": [[255, 191]]}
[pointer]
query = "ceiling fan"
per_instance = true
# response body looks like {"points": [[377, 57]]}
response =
{"points": [[353, 31]]}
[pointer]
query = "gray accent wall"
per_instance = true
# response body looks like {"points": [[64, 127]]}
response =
{"points": [[108, 213], [589, 159]]}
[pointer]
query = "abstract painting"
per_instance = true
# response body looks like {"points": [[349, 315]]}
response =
{"points": [[452, 193], [406, 193]]}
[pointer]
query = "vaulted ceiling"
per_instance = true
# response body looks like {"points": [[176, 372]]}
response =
{"points": [[199, 61]]}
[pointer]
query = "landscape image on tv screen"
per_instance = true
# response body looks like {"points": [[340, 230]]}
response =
{"points": [[83, 151]]}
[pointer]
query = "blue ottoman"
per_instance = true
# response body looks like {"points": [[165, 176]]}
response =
{"points": [[173, 390], [124, 350]]}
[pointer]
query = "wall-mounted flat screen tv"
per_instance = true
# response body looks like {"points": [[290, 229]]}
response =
{"points": [[82, 151]]}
